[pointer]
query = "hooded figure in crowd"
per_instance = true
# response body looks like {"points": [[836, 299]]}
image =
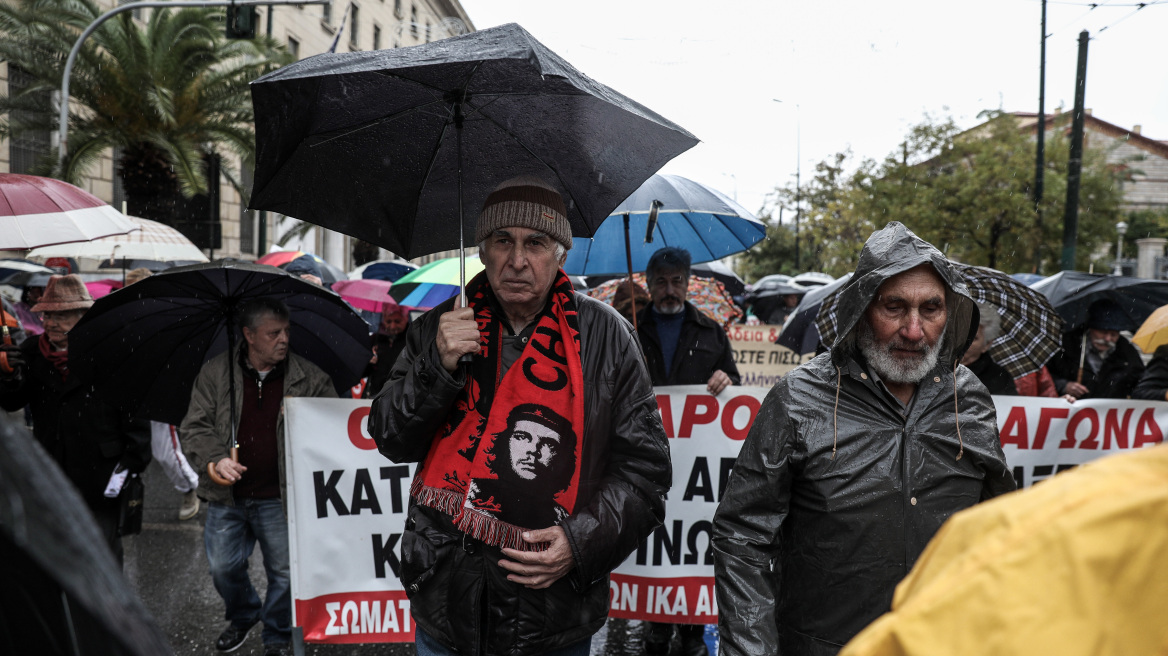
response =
{"points": [[855, 460]]}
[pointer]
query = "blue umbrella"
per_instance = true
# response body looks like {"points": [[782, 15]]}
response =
{"points": [[688, 215]]}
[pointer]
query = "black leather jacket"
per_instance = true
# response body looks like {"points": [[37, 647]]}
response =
{"points": [[458, 594], [814, 532], [702, 349]]}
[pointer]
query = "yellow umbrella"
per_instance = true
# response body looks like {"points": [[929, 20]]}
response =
{"points": [[1154, 331], [1074, 565]]}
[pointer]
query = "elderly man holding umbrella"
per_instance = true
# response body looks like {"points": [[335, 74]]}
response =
{"points": [[88, 438], [483, 578]]}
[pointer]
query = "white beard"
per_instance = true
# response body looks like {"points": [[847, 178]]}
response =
{"points": [[892, 369]]}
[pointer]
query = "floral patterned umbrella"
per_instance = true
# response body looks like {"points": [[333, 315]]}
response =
{"points": [[707, 294]]}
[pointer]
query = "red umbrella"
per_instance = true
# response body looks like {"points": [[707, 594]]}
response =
{"points": [[365, 294], [36, 211]]}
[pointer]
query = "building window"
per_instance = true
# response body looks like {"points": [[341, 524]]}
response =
{"points": [[376, 37], [427, 31], [354, 11], [413, 21], [327, 17], [397, 12], [30, 147], [294, 47]]}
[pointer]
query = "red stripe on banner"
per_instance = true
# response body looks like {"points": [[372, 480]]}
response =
{"points": [[675, 600], [356, 617]]}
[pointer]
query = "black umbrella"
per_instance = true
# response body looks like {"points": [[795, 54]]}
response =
{"points": [[1072, 292], [63, 591], [390, 146], [800, 333], [144, 345]]}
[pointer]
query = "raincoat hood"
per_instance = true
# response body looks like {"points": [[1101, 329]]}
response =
{"points": [[889, 252]]}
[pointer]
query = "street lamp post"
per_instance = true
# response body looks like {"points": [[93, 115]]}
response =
{"points": [[1120, 230], [798, 182], [63, 120]]}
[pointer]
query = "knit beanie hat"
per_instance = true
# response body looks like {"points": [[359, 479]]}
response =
{"points": [[525, 201]]}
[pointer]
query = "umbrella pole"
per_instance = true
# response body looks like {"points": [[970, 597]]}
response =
{"points": [[231, 394], [1082, 357], [466, 358], [629, 262]]}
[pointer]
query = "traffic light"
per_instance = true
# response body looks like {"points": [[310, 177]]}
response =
{"points": [[241, 22]]}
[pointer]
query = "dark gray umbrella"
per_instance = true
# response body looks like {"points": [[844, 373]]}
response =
{"points": [[800, 334], [142, 346], [63, 591], [1072, 292], [391, 146]]}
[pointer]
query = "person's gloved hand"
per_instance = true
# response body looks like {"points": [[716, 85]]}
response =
{"points": [[12, 363]]}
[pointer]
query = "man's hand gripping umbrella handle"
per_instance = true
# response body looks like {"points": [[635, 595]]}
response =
{"points": [[215, 474]]}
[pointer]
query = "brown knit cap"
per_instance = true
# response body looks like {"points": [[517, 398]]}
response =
{"points": [[525, 201], [64, 293]]}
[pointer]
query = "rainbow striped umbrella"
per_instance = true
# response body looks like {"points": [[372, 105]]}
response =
{"points": [[433, 283]]}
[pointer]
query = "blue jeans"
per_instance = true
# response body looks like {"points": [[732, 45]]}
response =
{"points": [[428, 646], [230, 536]]}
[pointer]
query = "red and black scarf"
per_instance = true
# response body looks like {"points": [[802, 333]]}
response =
{"points": [[508, 458]]}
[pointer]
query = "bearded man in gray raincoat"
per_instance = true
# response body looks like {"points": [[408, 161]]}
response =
{"points": [[856, 458]]}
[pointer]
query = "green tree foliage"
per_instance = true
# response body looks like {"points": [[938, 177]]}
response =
{"points": [[169, 94], [969, 193]]}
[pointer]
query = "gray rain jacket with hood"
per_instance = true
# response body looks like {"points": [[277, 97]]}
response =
{"points": [[836, 493]]}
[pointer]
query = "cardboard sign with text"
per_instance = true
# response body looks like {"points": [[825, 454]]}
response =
{"points": [[760, 361]]}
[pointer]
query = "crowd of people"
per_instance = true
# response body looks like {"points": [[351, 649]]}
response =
{"points": [[542, 458]]}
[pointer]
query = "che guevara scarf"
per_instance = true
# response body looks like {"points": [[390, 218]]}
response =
{"points": [[469, 473]]}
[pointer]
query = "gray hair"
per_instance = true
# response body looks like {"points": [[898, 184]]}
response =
{"points": [[669, 258], [252, 312], [991, 322]]}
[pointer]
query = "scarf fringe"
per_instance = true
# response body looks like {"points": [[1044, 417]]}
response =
{"points": [[478, 525]]}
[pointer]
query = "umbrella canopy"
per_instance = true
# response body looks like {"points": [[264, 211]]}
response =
{"points": [[103, 287], [63, 591], [1031, 328], [154, 266], [1028, 278], [390, 270], [372, 295], [10, 268], [1072, 292], [800, 334], [144, 346], [329, 274], [690, 215], [1154, 332], [400, 147], [150, 240], [36, 211], [433, 283], [707, 294]]}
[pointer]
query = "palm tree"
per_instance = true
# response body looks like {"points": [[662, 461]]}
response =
{"points": [[170, 96]]}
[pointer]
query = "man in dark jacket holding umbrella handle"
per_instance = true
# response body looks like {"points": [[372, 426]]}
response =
{"points": [[544, 460], [245, 503]]}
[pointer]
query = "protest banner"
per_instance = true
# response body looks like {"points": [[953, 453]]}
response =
{"points": [[347, 503], [346, 515], [760, 361]]}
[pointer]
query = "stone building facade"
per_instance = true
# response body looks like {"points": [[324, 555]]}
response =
{"points": [[305, 30]]}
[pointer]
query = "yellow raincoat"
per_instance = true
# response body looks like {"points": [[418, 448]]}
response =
{"points": [[1075, 565]]}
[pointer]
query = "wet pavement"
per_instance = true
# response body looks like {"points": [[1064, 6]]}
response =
{"points": [[166, 565]]}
